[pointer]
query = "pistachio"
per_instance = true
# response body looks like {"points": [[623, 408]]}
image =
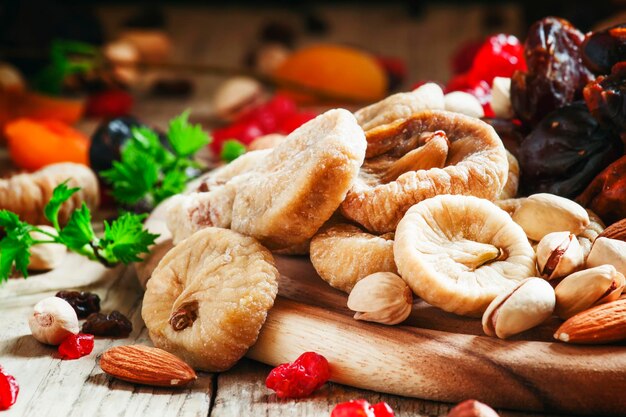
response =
{"points": [[608, 251], [382, 297], [525, 306], [558, 255], [541, 214], [585, 289]]}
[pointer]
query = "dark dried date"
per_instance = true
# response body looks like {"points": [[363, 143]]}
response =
{"points": [[603, 49], [114, 324], [556, 74], [84, 303], [565, 152], [606, 99], [606, 195]]}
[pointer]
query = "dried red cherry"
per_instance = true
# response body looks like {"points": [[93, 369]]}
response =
{"points": [[114, 324], [606, 99], [362, 408], [84, 303], [499, 56], [76, 346], [556, 74], [299, 378], [605, 48], [8, 390]]}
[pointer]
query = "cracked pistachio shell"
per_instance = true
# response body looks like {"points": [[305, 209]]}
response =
{"points": [[527, 305], [558, 255], [382, 297], [585, 289], [545, 213], [608, 251]]}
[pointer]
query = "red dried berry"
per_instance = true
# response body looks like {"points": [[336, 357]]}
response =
{"points": [[500, 56], [295, 121], [361, 408], [300, 378], [8, 390], [109, 104], [76, 346]]}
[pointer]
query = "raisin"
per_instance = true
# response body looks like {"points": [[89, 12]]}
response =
{"points": [[601, 50], [556, 74], [8, 390], [114, 324], [362, 408], [76, 346], [606, 99], [84, 303], [300, 378], [565, 152]]}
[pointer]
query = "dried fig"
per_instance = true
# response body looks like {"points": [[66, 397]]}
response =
{"points": [[343, 254], [397, 174], [459, 252], [209, 296], [512, 180], [289, 193], [401, 105]]}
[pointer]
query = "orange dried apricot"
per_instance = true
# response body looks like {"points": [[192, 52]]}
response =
{"points": [[336, 69], [34, 144]]}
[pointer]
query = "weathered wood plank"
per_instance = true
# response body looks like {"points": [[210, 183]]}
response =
{"points": [[53, 387]]}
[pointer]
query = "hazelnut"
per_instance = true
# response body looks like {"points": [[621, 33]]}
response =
{"points": [[53, 320], [382, 297], [46, 256], [527, 305], [123, 56], [235, 96], [558, 255]]}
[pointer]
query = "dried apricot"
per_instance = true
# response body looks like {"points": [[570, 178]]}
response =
{"points": [[337, 70], [34, 144]]}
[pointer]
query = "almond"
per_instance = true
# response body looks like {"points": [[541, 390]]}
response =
{"points": [[605, 323], [146, 365], [615, 231]]}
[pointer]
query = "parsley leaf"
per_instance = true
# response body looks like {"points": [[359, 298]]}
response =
{"points": [[148, 172], [186, 139], [59, 196], [15, 247], [78, 232], [232, 149], [125, 239]]}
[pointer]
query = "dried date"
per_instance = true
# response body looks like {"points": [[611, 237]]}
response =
{"points": [[603, 49], [84, 303], [606, 195], [606, 99], [556, 74], [114, 324], [565, 152]]}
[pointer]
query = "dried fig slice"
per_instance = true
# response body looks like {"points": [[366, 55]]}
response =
{"points": [[290, 192], [459, 252], [401, 105], [512, 180], [247, 162], [209, 296], [476, 164], [343, 254]]}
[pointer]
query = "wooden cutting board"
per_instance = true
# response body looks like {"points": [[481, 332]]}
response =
{"points": [[439, 356], [433, 355]]}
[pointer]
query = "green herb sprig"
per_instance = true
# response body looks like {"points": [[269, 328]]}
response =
{"points": [[123, 240], [148, 171]]}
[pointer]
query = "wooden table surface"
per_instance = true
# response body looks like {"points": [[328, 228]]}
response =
{"points": [[53, 387]]}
